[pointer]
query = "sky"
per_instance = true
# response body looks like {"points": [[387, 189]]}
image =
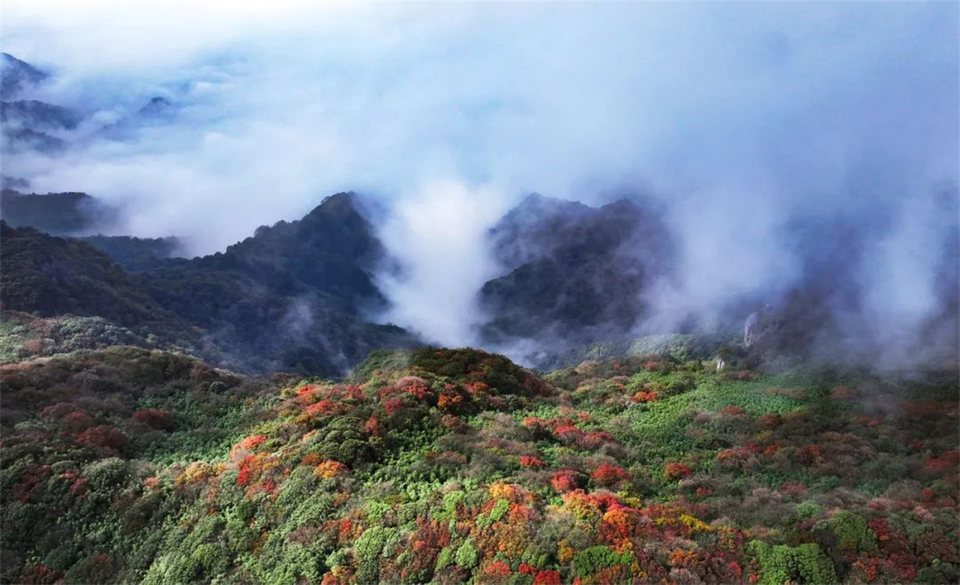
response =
{"points": [[740, 117]]}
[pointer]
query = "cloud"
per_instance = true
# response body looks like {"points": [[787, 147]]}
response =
{"points": [[438, 236], [742, 118]]}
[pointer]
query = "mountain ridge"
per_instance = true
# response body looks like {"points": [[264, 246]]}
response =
{"points": [[17, 75], [572, 271], [295, 295]]}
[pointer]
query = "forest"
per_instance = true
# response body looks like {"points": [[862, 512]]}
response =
{"points": [[458, 466]]}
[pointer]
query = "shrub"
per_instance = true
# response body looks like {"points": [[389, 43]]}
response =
{"points": [[769, 421], [155, 418], [606, 474], [58, 410], [248, 444], [77, 421], [530, 461], [733, 410], [595, 558], [105, 438], [547, 578], [802, 564], [565, 480], [368, 549], [467, 556], [329, 469], [676, 471], [497, 569], [39, 575], [851, 531]]}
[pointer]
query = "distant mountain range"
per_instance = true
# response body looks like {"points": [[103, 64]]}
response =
{"points": [[30, 124], [573, 280], [300, 295]]}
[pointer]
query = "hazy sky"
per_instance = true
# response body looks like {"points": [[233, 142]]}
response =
{"points": [[740, 116]]}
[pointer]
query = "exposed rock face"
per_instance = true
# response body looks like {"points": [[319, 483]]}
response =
{"points": [[759, 325]]}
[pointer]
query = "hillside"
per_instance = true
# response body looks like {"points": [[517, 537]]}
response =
{"points": [[297, 296], [59, 214], [135, 254], [294, 296], [17, 76], [51, 276], [329, 252], [824, 314], [456, 466], [573, 274]]}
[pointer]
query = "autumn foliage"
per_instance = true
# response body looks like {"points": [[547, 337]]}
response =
{"points": [[458, 467]]}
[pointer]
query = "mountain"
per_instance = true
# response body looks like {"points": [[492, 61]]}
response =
{"points": [[572, 272], [330, 251], [29, 124], [537, 226], [55, 213], [157, 107], [38, 115], [823, 315], [135, 254], [294, 296], [34, 125], [18, 140], [156, 111], [14, 183], [17, 76], [50, 276]]}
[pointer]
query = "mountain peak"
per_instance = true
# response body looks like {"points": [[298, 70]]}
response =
{"points": [[17, 76], [622, 203], [157, 106], [340, 206], [342, 200], [536, 202]]}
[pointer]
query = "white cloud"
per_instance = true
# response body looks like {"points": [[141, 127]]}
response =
{"points": [[739, 116], [437, 234]]}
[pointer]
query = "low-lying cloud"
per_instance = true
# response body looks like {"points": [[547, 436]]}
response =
{"points": [[744, 119], [439, 235]]}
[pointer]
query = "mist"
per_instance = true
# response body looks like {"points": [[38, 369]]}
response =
{"points": [[743, 120]]}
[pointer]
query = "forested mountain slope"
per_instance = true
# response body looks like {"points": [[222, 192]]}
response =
{"points": [[295, 296], [456, 466], [573, 274]]}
